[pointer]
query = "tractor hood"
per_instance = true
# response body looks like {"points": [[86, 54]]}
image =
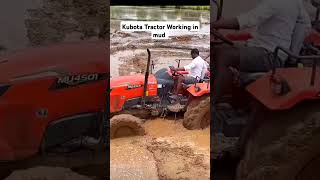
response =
{"points": [[132, 80], [55, 60]]}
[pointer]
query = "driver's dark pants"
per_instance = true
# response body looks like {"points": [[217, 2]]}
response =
{"points": [[244, 59], [241, 57], [183, 79]]}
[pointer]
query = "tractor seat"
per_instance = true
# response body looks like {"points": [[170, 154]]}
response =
{"points": [[247, 78]]}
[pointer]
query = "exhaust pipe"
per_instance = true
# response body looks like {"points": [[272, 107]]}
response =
{"points": [[146, 78]]}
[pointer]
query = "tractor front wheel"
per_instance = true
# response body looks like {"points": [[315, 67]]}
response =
{"points": [[284, 145], [125, 125], [197, 115]]}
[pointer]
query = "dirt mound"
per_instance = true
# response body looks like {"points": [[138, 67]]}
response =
{"points": [[289, 151], [46, 173], [198, 114], [125, 125], [178, 161]]}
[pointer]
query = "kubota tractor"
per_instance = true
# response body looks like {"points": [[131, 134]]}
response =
{"points": [[51, 95], [276, 114], [150, 95]]}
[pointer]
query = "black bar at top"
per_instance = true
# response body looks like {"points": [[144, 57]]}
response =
{"points": [[159, 2]]}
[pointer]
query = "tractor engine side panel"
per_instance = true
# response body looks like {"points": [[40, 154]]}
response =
{"points": [[127, 88]]}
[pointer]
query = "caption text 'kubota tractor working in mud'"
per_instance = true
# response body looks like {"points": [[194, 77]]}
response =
{"points": [[149, 94], [275, 114]]}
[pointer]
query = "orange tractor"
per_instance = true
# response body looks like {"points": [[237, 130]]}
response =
{"points": [[276, 116], [150, 95], [50, 96]]}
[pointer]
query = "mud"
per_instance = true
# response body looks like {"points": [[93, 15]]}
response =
{"points": [[167, 151], [66, 20], [129, 50], [46, 173], [222, 143], [131, 57]]}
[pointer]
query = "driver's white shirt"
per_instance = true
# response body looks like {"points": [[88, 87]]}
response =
{"points": [[197, 68], [276, 21]]}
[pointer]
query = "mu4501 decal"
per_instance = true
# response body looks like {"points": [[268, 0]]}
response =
{"points": [[75, 80]]}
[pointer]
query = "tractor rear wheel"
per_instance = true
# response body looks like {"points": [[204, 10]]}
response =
{"points": [[125, 125], [197, 115], [285, 145]]}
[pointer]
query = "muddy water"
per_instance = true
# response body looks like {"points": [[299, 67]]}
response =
{"points": [[167, 151], [173, 129], [155, 13]]}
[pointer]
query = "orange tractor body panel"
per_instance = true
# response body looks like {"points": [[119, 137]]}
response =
{"points": [[125, 88], [31, 76]]}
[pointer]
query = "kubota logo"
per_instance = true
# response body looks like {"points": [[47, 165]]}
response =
{"points": [[78, 79]]}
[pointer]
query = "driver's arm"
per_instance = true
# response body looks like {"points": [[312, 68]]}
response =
{"points": [[254, 17]]}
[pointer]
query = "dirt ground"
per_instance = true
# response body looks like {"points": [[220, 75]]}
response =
{"points": [[129, 51], [167, 151]]}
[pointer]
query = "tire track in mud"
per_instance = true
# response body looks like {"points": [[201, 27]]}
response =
{"points": [[170, 151], [175, 161]]}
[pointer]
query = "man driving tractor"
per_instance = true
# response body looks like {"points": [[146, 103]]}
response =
{"points": [[197, 69], [277, 23]]}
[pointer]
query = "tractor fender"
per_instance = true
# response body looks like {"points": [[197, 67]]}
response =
{"points": [[6, 152], [199, 89], [298, 80]]}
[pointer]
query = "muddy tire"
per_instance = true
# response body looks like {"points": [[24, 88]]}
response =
{"points": [[125, 125], [284, 146], [197, 115]]}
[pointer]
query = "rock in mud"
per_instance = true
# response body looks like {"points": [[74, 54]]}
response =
{"points": [[46, 173]]}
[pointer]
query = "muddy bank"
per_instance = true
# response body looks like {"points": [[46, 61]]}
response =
{"points": [[67, 20], [129, 51], [167, 151]]}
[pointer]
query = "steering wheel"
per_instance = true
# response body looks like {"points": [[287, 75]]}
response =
{"points": [[218, 35]]}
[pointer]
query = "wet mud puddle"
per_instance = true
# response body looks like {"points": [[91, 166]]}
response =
{"points": [[167, 151]]}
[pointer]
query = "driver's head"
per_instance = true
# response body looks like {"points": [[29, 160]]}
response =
{"points": [[194, 53]]}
